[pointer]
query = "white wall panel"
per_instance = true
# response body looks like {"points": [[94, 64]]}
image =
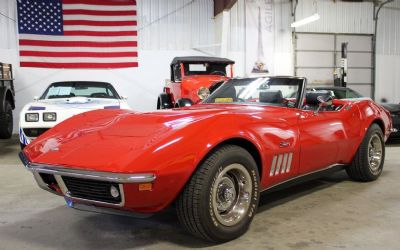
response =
{"points": [[175, 24], [337, 16], [388, 53], [8, 39]]}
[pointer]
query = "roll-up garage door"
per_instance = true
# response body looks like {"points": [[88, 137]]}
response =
{"points": [[317, 55]]}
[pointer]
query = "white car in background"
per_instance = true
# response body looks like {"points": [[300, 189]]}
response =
{"points": [[62, 100]]}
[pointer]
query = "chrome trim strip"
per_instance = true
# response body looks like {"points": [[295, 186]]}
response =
{"points": [[394, 130], [42, 184], [278, 166], [271, 172], [301, 176], [284, 164], [289, 163], [87, 174]]}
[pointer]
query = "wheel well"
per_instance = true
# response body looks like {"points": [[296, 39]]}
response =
{"points": [[10, 98], [249, 146], [380, 124]]}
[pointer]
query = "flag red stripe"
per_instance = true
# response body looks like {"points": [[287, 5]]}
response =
{"points": [[101, 2], [76, 43], [99, 23], [99, 33], [100, 12], [78, 54], [79, 65]]}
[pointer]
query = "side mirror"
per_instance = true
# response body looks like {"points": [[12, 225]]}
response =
{"points": [[323, 102], [124, 97], [36, 98]]}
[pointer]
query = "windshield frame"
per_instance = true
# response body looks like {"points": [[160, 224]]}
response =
{"points": [[73, 83], [299, 98]]}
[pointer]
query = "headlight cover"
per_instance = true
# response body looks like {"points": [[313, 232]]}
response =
{"points": [[32, 117], [49, 117], [203, 93]]}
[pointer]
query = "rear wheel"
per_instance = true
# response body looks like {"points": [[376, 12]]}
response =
{"points": [[220, 200], [6, 121], [367, 165]]}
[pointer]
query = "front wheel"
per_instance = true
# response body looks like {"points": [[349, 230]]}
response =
{"points": [[220, 200], [367, 165], [6, 121]]}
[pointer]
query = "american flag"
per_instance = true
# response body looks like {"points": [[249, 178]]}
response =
{"points": [[77, 33]]}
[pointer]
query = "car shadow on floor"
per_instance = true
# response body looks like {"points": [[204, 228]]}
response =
{"points": [[270, 200], [63, 227]]}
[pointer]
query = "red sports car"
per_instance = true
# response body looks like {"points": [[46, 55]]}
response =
{"points": [[211, 160]]}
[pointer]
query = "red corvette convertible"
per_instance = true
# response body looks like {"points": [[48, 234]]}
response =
{"points": [[211, 160]]}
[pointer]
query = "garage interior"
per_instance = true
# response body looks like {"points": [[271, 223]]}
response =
{"points": [[332, 212]]}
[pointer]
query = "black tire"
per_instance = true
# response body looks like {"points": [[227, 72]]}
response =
{"points": [[196, 208], [363, 168], [184, 102], [6, 121], [164, 101]]}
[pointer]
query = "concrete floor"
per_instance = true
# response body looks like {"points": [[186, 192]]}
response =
{"points": [[329, 213]]}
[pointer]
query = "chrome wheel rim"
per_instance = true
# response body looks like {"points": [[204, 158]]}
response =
{"points": [[375, 151], [231, 194]]}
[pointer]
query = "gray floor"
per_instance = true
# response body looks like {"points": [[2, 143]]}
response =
{"points": [[329, 213]]}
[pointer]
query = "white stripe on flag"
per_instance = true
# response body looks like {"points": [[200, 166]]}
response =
{"points": [[79, 38], [100, 18], [98, 7]]}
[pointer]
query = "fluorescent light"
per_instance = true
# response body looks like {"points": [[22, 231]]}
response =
{"points": [[306, 20]]}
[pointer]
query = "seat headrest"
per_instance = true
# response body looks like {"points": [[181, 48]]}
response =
{"points": [[230, 92], [312, 96], [271, 96]]}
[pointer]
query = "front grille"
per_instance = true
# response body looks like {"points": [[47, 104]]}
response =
{"points": [[91, 189], [34, 132]]}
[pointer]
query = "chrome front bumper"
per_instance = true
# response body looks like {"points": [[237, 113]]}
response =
{"points": [[59, 172]]}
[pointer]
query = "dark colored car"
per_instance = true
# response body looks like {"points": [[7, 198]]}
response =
{"points": [[347, 93], [7, 101]]}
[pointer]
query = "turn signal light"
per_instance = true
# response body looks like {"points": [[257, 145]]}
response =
{"points": [[145, 186]]}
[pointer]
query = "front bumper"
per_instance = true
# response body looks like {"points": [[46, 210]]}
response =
{"points": [[52, 178]]}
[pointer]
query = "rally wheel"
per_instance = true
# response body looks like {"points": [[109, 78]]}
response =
{"points": [[368, 162], [220, 200]]}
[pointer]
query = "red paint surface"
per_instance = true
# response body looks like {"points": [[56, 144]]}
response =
{"points": [[172, 143]]}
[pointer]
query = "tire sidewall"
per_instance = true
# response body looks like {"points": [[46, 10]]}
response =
{"points": [[373, 130], [6, 125], [225, 233]]}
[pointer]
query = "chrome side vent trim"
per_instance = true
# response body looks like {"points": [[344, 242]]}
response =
{"points": [[281, 164]]}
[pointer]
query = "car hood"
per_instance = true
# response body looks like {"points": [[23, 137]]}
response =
{"points": [[74, 103], [392, 107], [110, 139], [117, 140]]}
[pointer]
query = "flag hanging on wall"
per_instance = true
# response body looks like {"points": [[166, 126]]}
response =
{"points": [[77, 33]]}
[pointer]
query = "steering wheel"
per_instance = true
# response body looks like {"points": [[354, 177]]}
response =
{"points": [[218, 72]]}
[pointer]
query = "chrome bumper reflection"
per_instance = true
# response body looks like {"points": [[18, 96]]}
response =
{"points": [[86, 174], [59, 172]]}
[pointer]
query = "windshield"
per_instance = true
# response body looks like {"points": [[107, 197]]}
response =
{"points": [[283, 92], [80, 89]]}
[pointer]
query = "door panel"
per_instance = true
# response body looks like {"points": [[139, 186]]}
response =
{"points": [[319, 136]]}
